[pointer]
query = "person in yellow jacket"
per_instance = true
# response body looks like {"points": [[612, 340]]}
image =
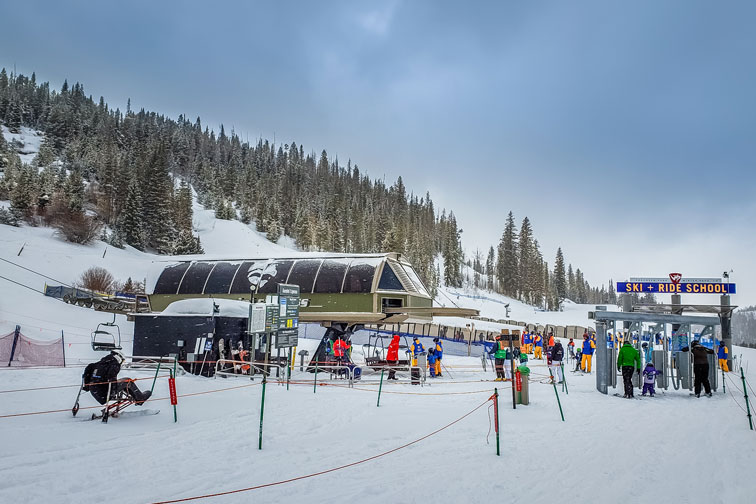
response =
{"points": [[439, 355], [416, 349], [588, 348], [722, 356]]}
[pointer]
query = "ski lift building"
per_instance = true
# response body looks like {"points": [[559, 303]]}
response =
{"points": [[358, 288]]}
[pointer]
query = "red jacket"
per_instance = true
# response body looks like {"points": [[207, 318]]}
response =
{"points": [[339, 347], [393, 349]]}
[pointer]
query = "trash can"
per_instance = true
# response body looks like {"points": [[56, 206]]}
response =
{"points": [[522, 379]]}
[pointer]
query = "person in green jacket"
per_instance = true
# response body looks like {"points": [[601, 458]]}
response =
{"points": [[628, 361]]}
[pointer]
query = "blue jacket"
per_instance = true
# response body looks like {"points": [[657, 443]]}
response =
{"points": [[439, 350], [431, 359], [417, 348], [722, 352], [588, 347]]}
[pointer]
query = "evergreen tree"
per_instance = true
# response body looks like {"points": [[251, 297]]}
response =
{"points": [[490, 271], [131, 225], [507, 264], [526, 260], [560, 281]]}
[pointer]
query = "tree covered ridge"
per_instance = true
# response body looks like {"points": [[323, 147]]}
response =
{"points": [[135, 171]]}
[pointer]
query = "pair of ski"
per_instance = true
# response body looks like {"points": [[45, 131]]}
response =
{"points": [[113, 408]]}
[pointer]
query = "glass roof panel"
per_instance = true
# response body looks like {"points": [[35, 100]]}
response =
{"points": [[170, 278], [389, 280], [195, 278], [221, 277], [303, 274], [331, 276], [359, 277]]}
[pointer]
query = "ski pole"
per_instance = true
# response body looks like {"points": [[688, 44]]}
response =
{"points": [[380, 386], [745, 393], [723, 381]]}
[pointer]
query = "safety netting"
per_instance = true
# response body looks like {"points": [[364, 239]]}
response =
{"points": [[17, 350]]}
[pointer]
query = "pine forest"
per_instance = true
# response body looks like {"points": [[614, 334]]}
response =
{"points": [[128, 178]]}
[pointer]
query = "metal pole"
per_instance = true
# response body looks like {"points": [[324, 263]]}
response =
{"points": [[380, 386], [262, 410], [156, 375], [603, 366], [726, 324], [15, 340], [63, 341], [557, 393], [745, 393], [564, 380], [512, 368], [496, 419], [315, 381]]}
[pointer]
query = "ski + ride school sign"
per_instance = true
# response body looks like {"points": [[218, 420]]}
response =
{"points": [[676, 284]]}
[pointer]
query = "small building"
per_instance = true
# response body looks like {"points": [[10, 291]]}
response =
{"points": [[187, 327]]}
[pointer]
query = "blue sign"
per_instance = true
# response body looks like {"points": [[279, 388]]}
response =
{"points": [[678, 288], [208, 345]]}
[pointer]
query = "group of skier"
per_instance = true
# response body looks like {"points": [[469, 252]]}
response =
{"points": [[434, 355], [504, 355]]}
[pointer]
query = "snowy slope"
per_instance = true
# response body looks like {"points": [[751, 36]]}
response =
{"points": [[26, 142]]}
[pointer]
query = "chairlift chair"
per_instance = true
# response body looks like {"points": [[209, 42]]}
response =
{"points": [[104, 338]]}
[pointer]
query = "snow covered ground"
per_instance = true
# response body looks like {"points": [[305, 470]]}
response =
{"points": [[669, 448], [27, 142]]}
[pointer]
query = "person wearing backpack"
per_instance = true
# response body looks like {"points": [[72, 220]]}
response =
{"points": [[102, 376], [557, 354]]}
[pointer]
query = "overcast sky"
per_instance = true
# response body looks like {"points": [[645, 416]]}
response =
{"points": [[626, 131]]}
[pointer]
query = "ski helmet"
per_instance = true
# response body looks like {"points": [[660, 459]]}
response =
{"points": [[118, 356]]}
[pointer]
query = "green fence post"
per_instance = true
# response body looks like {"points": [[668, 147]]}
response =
{"points": [[380, 386], [557, 394], [564, 380], [315, 381], [262, 410], [155, 379]]}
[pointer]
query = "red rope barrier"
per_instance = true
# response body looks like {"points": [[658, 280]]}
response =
{"points": [[228, 492]]}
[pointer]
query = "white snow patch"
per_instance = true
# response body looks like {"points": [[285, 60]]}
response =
{"points": [[26, 143]]}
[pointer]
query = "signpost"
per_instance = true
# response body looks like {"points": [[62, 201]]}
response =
{"points": [[278, 320]]}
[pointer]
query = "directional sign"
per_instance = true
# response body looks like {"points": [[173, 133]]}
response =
{"points": [[676, 288]]}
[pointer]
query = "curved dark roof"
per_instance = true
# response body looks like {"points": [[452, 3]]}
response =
{"points": [[321, 275]]}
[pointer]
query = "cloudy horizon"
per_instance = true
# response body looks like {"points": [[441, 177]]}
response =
{"points": [[623, 131]]}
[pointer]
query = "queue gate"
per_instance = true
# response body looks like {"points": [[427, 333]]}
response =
{"points": [[667, 355]]}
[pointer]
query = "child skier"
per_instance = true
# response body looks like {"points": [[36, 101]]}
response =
{"points": [[649, 376], [432, 362], [578, 358]]}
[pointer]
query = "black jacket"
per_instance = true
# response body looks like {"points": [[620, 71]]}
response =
{"points": [[103, 371], [557, 352], [700, 353]]}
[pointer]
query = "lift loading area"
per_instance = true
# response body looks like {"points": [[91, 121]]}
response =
{"points": [[666, 335]]}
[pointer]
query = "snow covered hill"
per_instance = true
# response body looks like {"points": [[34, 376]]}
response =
{"points": [[434, 442]]}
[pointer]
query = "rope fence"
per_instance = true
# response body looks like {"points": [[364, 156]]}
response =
{"points": [[326, 471]]}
